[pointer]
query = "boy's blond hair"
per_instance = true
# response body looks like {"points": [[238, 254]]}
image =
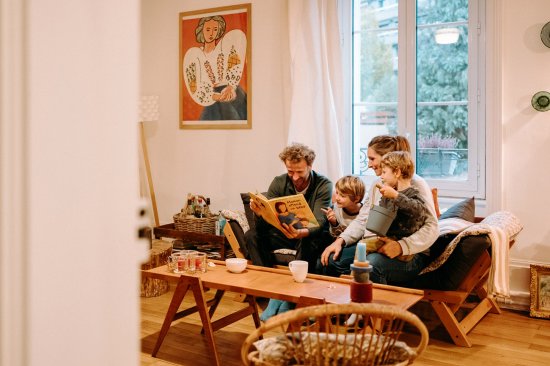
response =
{"points": [[351, 186], [399, 160]]}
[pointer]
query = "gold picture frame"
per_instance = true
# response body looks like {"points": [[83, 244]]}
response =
{"points": [[540, 291], [215, 74]]}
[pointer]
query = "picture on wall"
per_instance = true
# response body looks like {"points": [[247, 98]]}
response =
{"points": [[214, 68], [540, 291]]}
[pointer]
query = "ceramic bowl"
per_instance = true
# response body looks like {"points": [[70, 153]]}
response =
{"points": [[236, 265]]}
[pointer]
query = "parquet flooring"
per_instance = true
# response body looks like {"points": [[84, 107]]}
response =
{"points": [[509, 339]]}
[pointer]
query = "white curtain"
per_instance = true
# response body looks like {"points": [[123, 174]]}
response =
{"points": [[316, 105]]}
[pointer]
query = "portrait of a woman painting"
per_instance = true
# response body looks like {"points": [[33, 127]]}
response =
{"points": [[214, 68]]}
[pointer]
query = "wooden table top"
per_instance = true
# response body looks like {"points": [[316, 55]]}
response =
{"points": [[279, 284]]}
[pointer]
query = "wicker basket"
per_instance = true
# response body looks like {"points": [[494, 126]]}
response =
{"points": [[205, 225]]}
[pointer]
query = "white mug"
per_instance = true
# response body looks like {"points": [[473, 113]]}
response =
{"points": [[299, 270]]}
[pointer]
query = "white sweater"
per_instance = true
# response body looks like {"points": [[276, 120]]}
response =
{"points": [[417, 242]]}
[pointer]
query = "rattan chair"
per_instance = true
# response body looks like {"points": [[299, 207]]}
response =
{"points": [[318, 335]]}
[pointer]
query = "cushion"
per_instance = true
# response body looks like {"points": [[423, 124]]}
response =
{"points": [[453, 225], [245, 197], [284, 256], [451, 273], [464, 210], [308, 346]]}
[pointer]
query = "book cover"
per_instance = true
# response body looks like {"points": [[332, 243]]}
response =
{"points": [[291, 210]]}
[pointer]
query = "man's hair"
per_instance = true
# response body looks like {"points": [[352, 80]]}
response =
{"points": [[296, 152], [384, 144], [399, 160], [352, 186]]}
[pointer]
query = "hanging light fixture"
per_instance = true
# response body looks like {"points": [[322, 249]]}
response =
{"points": [[447, 35]]}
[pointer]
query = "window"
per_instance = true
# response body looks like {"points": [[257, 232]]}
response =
{"points": [[419, 71]]}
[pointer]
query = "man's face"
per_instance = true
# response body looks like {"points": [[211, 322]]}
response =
{"points": [[298, 172]]}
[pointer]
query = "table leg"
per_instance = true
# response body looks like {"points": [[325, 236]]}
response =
{"points": [[198, 292], [252, 304], [216, 301], [177, 298]]}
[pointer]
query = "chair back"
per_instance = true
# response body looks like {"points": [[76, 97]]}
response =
{"points": [[323, 335], [436, 202]]}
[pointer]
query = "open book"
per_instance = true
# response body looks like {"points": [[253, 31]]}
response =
{"points": [[290, 210]]}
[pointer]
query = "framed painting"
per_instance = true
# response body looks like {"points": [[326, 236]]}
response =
{"points": [[214, 68], [540, 291]]}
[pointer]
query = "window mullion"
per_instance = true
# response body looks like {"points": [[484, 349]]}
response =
{"points": [[407, 69]]}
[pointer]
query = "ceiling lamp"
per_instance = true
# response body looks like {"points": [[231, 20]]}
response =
{"points": [[447, 35]]}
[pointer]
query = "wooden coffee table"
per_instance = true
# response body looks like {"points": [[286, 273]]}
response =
{"points": [[265, 282]]}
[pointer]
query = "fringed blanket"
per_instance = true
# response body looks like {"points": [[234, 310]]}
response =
{"points": [[501, 227]]}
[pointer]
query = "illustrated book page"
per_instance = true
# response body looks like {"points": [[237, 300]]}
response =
{"points": [[291, 210]]}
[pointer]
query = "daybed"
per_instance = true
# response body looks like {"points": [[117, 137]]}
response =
{"points": [[468, 256]]}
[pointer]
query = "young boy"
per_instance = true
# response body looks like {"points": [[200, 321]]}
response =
{"points": [[348, 195], [398, 195]]}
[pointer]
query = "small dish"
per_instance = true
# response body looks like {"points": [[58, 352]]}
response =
{"points": [[236, 265]]}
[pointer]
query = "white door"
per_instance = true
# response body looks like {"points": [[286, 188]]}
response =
{"points": [[69, 280]]}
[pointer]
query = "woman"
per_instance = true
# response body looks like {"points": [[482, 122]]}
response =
{"points": [[387, 269], [212, 73]]}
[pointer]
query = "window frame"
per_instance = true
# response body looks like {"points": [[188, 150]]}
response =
{"points": [[478, 126]]}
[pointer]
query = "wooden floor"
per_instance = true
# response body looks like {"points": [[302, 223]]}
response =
{"points": [[509, 339]]}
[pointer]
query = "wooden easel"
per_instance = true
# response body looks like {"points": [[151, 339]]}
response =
{"points": [[148, 172]]}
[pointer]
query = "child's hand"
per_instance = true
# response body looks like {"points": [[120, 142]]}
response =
{"points": [[331, 216], [388, 192]]}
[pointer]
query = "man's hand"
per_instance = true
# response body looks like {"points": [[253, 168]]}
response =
{"points": [[254, 207], [292, 233], [335, 247], [391, 248]]}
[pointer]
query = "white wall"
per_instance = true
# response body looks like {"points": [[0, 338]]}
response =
{"points": [[526, 133], [212, 162], [217, 163]]}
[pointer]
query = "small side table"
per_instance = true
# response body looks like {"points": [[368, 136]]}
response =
{"points": [[170, 231]]}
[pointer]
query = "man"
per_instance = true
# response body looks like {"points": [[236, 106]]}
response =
{"points": [[317, 190]]}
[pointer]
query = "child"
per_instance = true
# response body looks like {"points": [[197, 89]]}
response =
{"points": [[348, 195], [398, 195]]}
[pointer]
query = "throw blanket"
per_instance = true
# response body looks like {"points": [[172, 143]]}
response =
{"points": [[498, 282]]}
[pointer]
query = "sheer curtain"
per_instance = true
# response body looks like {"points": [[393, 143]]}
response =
{"points": [[316, 104]]}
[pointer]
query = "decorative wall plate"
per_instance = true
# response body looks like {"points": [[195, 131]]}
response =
{"points": [[541, 101], [545, 34]]}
